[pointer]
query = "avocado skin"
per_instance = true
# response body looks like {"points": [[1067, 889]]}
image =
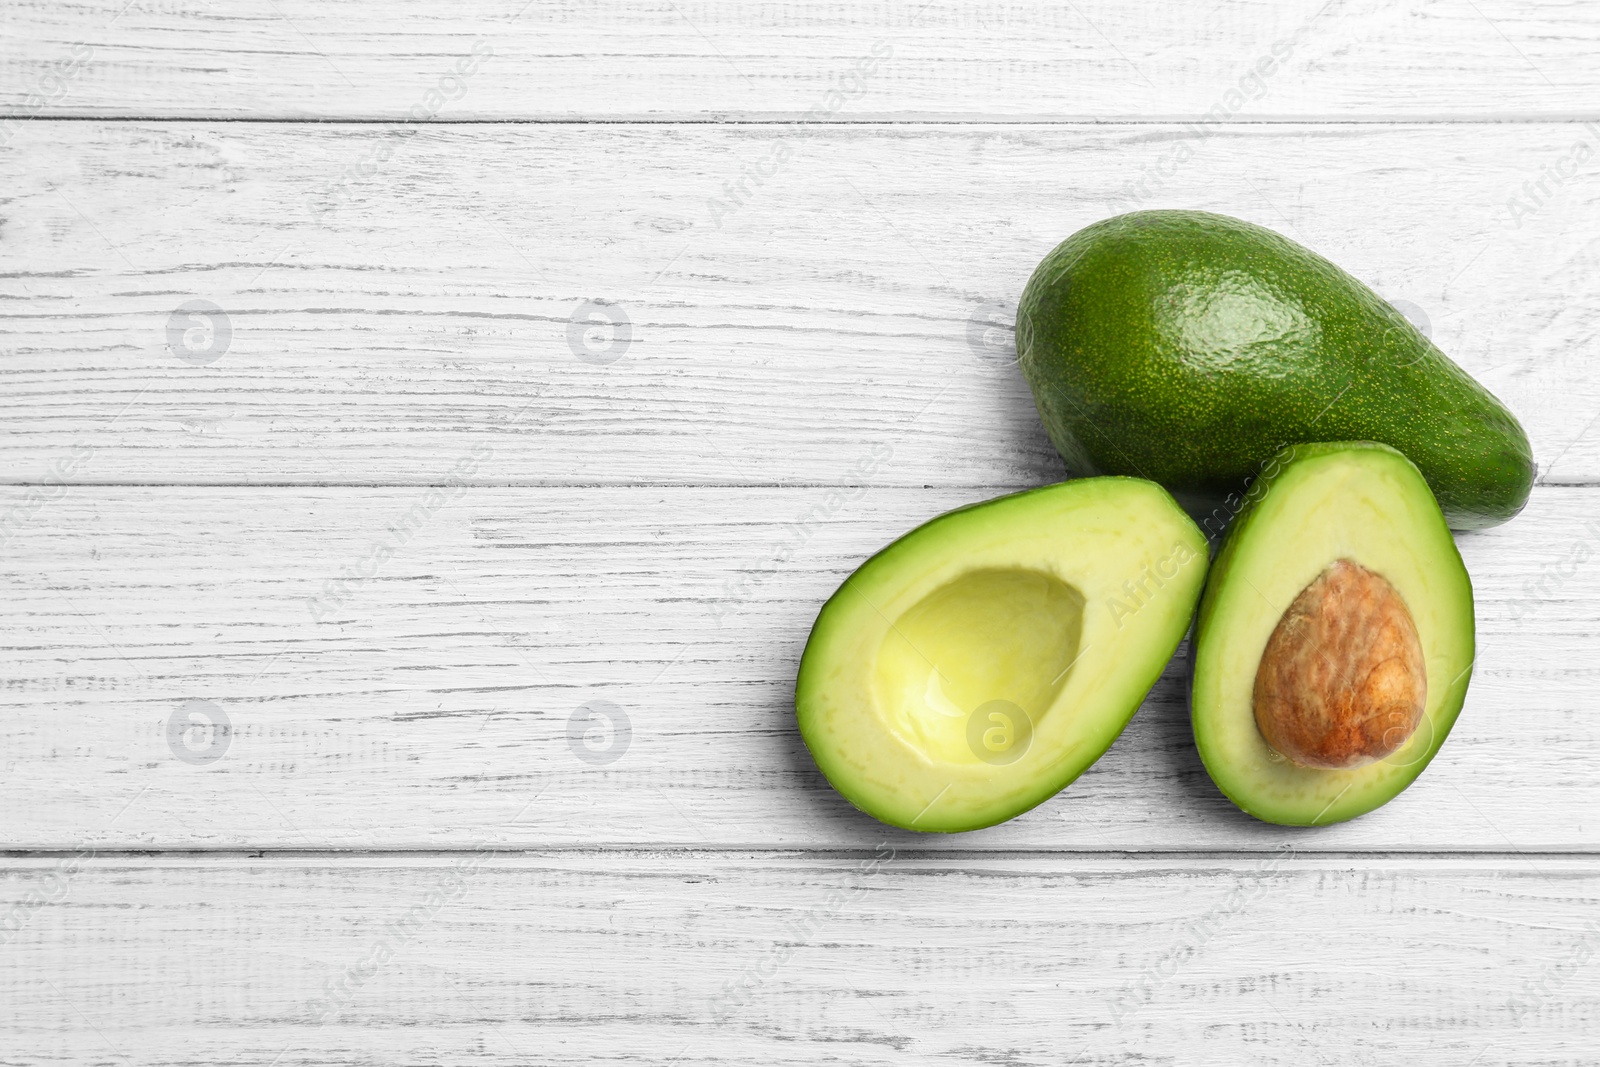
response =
{"points": [[1187, 348]]}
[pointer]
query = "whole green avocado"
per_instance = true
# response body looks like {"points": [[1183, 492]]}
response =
{"points": [[1188, 348]]}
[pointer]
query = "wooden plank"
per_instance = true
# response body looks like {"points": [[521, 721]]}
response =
{"points": [[398, 668], [837, 328], [1090, 60], [876, 957]]}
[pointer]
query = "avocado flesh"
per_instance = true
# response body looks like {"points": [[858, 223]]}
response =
{"points": [[1318, 504], [1187, 347], [976, 666]]}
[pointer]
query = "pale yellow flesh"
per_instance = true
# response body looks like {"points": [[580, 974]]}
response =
{"points": [[1373, 511], [1008, 636], [1042, 617]]}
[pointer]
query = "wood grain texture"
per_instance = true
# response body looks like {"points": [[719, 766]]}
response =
{"points": [[1091, 60], [878, 957], [374, 330], [409, 668], [337, 516]]}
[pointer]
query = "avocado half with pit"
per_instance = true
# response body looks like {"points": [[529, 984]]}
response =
{"points": [[979, 664], [1335, 638]]}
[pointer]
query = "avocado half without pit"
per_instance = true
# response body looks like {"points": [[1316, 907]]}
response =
{"points": [[979, 664], [1335, 638]]}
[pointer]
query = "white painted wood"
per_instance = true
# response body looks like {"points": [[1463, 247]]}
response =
{"points": [[574, 59], [398, 311], [429, 703], [879, 957], [380, 328]]}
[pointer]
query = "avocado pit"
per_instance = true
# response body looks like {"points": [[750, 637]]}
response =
{"points": [[1342, 682]]}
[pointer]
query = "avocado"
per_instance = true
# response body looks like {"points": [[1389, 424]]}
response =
{"points": [[1187, 347], [976, 666], [1335, 638]]}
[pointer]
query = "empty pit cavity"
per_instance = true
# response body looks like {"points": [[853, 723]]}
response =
{"points": [[966, 674]]}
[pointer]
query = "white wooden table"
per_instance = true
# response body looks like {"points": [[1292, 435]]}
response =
{"points": [[411, 527]]}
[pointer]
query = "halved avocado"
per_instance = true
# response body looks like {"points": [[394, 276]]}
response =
{"points": [[1335, 638], [979, 664]]}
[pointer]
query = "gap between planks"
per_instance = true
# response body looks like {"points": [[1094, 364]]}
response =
{"points": [[883, 119], [1342, 858]]}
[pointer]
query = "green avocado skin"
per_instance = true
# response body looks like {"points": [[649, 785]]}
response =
{"points": [[1187, 348]]}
